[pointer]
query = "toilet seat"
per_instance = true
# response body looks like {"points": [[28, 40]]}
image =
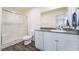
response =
{"points": [[27, 40]]}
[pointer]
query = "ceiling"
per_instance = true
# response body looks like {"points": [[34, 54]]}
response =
{"points": [[24, 10], [18, 9]]}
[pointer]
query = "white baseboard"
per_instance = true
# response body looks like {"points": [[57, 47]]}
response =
{"points": [[11, 43]]}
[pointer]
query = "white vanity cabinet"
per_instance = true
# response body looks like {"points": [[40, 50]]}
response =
{"points": [[60, 42], [54, 41], [39, 37]]}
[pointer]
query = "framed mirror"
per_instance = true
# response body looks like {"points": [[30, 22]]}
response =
{"points": [[60, 20]]}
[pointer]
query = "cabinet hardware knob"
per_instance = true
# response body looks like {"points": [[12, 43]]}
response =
{"points": [[56, 40]]}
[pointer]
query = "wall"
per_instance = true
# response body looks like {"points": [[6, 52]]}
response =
{"points": [[0, 25], [49, 18], [43, 17], [33, 19], [46, 9], [15, 10]]}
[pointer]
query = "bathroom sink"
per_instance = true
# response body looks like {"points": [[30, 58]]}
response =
{"points": [[58, 30]]}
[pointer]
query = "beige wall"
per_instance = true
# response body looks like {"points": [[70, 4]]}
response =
{"points": [[0, 25], [37, 17], [33, 19], [48, 19], [45, 9]]}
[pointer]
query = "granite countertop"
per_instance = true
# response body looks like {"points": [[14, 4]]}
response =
{"points": [[60, 31]]}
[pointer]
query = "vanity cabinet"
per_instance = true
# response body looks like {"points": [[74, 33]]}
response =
{"points": [[39, 37], [60, 42], [51, 41]]}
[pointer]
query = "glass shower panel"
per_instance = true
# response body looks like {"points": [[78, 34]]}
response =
{"points": [[13, 27]]}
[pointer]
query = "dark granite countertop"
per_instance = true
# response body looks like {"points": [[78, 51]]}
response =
{"points": [[60, 31]]}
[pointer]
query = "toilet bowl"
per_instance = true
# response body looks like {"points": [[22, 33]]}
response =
{"points": [[27, 40]]}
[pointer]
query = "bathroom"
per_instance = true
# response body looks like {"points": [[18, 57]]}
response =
{"points": [[19, 27]]}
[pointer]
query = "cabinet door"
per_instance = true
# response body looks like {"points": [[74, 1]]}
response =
{"points": [[61, 41], [71, 44], [61, 45], [67, 42], [55, 41], [49, 41], [39, 40]]}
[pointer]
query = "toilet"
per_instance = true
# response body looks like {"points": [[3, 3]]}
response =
{"points": [[27, 39]]}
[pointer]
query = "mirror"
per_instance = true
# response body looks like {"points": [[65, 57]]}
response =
{"points": [[60, 20]]}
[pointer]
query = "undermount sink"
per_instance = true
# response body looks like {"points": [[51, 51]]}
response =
{"points": [[58, 30]]}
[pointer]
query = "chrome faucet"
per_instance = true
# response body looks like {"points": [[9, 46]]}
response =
{"points": [[60, 27]]}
